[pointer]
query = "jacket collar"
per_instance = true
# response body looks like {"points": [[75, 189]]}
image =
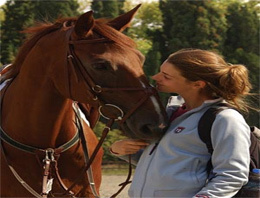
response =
{"points": [[176, 101]]}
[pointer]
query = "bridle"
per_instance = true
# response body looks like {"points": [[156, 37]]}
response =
{"points": [[95, 90]]}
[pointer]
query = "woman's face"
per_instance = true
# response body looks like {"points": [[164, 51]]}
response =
{"points": [[170, 80]]}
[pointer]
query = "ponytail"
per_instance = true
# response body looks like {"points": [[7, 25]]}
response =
{"points": [[222, 79], [235, 85]]}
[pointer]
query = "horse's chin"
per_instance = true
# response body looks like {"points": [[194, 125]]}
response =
{"points": [[144, 133]]}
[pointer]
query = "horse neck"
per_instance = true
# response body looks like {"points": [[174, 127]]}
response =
{"points": [[38, 110]]}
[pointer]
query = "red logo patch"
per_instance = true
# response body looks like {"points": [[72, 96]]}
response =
{"points": [[179, 129], [202, 196]]}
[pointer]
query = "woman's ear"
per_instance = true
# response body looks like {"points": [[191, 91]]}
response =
{"points": [[199, 84]]}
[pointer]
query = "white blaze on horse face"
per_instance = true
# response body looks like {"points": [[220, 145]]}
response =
{"points": [[156, 106]]}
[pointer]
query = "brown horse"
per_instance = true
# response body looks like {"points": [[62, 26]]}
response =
{"points": [[85, 60]]}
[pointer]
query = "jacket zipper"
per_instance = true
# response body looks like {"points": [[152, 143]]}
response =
{"points": [[154, 147]]}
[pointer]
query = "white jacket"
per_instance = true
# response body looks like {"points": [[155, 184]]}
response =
{"points": [[177, 167]]}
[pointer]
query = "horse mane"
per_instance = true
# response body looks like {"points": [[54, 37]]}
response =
{"points": [[42, 29]]}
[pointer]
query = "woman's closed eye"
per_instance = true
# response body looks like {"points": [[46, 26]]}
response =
{"points": [[167, 77]]}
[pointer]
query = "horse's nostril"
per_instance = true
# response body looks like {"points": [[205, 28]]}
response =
{"points": [[146, 129]]}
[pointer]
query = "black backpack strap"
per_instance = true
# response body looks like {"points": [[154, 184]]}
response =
{"points": [[205, 125], [206, 121]]}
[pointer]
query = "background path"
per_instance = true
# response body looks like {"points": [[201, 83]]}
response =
{"points": [[109, 186]]}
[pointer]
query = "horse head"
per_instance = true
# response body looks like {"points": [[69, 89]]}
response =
{"points": [[105, 70], [91, 61]]}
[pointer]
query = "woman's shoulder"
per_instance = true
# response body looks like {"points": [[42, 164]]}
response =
{"points": [[227, 116], [231, 119], [230, 114]]}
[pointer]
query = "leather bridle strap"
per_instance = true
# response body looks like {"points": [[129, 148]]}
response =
{"points": [[149, 92], [127, 181], [17, 176], [30, 149], [92, 157], [85, 151]]}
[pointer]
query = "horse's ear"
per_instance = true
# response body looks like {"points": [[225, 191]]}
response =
{"points": [[84, 24], [123, 21]]}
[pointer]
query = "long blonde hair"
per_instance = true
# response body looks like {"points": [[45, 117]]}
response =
{"points": [[222, 79]]}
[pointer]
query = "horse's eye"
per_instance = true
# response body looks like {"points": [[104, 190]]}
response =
{"points": [[101, 65]]}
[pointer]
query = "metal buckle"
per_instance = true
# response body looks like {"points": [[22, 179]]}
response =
{"points": [[49, 154], [97, 88]]}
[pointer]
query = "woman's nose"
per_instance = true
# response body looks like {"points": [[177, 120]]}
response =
{"points": [[155, 77]]}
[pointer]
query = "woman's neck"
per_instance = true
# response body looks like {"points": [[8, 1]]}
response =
{"points": [[195, 101]]}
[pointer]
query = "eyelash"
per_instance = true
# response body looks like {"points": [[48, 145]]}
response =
{"points": [[166, 78]]}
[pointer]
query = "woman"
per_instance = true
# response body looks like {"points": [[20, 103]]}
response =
{"points": [[176, 165]]}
